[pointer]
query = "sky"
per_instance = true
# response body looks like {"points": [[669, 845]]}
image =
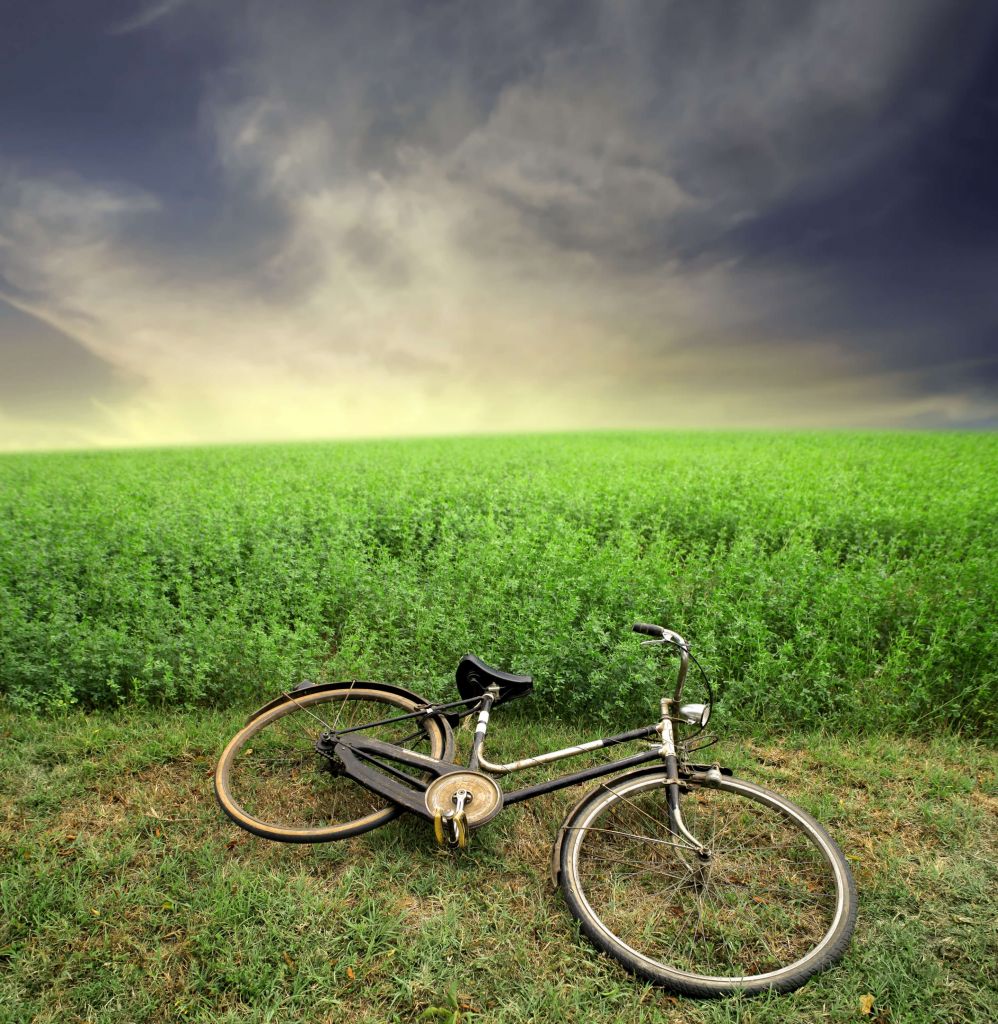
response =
{"points": [[246, 221]]}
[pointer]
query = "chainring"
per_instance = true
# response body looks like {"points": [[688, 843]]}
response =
{"points": [[485, 796]]}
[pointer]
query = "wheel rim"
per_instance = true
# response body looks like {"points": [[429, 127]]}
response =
{"points": [[767, 904], [272, 778]]}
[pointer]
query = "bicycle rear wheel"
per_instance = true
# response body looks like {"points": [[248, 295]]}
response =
{"points": [[774, 904], [271, 781]]}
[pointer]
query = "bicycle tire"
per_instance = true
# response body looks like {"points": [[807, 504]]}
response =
{"points": [[271, 781], [709, 933]]}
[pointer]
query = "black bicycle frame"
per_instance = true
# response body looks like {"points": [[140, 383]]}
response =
{"points": [[375, 764]]}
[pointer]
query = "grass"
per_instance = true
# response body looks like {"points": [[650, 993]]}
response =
{"points": [[841, 588], [128, 897]]}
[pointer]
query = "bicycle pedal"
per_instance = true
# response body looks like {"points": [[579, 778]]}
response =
{"points": [[451, 830], [462, 834], [438, 829]]}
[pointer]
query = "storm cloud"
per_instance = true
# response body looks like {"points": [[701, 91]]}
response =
{"points": [[384, 219]]}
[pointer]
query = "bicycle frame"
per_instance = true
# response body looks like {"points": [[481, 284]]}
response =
{"points": [[376, 764], [372, 763]]}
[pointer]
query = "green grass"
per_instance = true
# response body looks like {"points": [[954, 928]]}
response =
{"points": [[818, 576], [835, 585], [127, 897]]}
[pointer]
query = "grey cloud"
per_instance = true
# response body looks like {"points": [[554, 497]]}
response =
{"points": [[372, 250], [45, 372], [636, 133], [731, 108], [146, 16], [430, 190], [571, 150]]}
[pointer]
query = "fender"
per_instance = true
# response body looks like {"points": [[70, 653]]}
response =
{"points": [[684, 772], [307, 686]]}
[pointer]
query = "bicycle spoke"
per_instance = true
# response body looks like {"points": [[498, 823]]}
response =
{"points": [[679, 931], [640, 810], [343, 704], [276, 777], [301, 707], [640, 867], [634, 835]]}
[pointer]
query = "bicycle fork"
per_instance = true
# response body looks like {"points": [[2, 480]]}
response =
{"points": [[699, 862]]}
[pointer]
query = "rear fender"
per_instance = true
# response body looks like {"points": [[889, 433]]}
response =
{"points": [[309, 687]]}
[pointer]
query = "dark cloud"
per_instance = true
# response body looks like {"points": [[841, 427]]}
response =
{"points": [[45, 372], [73, 95], [899, 259], [776, 194]]}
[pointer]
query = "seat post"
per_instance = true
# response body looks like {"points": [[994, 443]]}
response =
{"points": [[488, 699]]}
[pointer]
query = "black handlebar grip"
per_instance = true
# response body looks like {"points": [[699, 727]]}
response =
{"points": [[648, 629]]}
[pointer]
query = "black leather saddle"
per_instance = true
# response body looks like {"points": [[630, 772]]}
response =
{"points": [[474, 677]]}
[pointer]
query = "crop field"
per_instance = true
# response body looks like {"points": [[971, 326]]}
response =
{"points": [[823, 579], [841, 590]]}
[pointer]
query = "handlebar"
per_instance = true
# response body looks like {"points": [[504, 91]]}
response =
{"points": [[661, 633], [667, 635], [649, 630]]}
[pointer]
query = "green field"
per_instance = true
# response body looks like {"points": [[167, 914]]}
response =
{"points": [[841, 589], [824, 579]]}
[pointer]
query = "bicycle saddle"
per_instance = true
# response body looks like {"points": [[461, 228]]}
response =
{"points": [[474, 677]]}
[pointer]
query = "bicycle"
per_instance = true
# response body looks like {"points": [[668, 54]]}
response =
{"points": [[689, 877]]}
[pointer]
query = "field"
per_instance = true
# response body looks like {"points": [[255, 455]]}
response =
{"points": [[824, 580], [840, 589], [127, 898]]}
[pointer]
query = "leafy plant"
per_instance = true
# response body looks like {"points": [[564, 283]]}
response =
{"points": [[817, 575]]}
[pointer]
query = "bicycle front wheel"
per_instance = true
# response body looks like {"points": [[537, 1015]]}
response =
{"points": [[271, 781], [772, 903]]}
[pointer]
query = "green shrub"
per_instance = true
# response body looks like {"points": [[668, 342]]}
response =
{"points": [[841, 579]]}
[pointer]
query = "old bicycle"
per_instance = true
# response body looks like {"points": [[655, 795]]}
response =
{"points": [[689, 877]]}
